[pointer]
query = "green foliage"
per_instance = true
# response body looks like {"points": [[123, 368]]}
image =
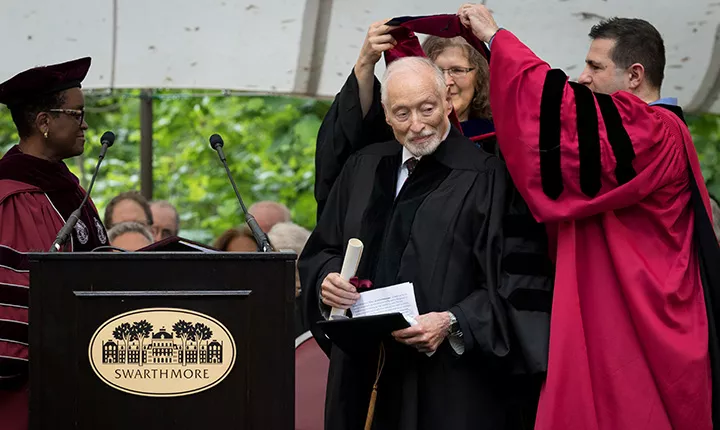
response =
{"points": [[706, 136], [269, 144]]}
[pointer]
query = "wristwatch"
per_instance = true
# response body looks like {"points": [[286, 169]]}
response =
{"points": [[454, 329]]}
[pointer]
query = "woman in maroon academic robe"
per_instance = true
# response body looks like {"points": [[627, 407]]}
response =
{"points": [[37, 194]]}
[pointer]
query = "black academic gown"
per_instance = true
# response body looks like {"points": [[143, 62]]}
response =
{"points": [[345, 131], [443, 233]]}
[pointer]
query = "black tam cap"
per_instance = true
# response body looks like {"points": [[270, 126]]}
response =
{"points": [[42, 81]]}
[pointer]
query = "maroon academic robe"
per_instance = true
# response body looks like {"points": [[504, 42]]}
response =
{"points": [[611, 176], [36, 197]]}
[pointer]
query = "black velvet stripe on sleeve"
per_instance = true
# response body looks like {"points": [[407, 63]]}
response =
{"points": [[550, 172], [619, 139], [14, 295], [588, 140], [528, 263], [13, 259], [13, 373], [524, 226], [13, 331]]}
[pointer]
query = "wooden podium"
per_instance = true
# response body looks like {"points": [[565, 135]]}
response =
{"points": [[162, 341]]}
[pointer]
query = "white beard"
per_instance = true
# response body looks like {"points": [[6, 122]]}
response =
{"points": [[426, 148]]}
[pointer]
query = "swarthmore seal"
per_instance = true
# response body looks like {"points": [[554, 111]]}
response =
{"points": [[162, 352]]}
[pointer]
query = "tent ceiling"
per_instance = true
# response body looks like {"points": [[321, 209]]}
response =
{"points": [[308, 47]]}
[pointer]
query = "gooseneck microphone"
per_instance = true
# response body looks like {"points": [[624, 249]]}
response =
{"points": [[107, 140], [216, 142]]}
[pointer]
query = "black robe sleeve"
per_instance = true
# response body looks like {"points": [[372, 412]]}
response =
{"points": [[508, 318], [323, 253], [482, 315], [343, 132]]}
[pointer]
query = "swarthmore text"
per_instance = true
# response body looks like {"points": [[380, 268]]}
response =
{"points": [[161, 374]]}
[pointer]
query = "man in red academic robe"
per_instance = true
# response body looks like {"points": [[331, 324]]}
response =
{"points": [[616, 178], [37, 194]]}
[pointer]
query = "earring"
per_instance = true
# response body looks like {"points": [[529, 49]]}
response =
{"points": [[45, 134]]}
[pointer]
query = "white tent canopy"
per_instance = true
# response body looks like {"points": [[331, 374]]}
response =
{"points": [[309, 47]]}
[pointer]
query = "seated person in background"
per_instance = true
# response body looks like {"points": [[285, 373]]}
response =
{"points": [[128, 206], [166, 220], [290, 236], [130, 236], [236, 240], [268, 213]]}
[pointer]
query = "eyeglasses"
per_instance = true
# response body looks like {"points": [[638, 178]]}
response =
{"points": [[77, 113], [458, 72]]}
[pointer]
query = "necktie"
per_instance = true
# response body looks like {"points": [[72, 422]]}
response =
{"points": [[410, 164]]}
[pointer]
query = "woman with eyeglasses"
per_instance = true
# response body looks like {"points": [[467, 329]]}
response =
{"points": [[467, 76], [37, 195], [356, 118]]}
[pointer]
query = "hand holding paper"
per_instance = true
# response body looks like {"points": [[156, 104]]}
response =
{"points": [[427, 335], [425, 332]]}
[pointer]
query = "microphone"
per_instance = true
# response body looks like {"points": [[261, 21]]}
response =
{"points": [[107, 140], [216, 142]]}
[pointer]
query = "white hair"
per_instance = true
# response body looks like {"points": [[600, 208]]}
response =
{"points": [[129, 227], [287, 235], [414, 64]]}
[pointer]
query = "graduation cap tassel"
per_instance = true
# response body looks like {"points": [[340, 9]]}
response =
{"points": [[373, 396]]}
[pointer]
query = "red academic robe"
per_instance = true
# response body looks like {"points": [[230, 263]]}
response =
{"points": [[28, 223], [610, 176], [36, 197]]}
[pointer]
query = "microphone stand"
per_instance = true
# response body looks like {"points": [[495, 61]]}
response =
{"points": [[216, 142], [107, 139]]}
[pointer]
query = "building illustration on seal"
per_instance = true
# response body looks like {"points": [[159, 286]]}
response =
{"points": [[139, 343]]}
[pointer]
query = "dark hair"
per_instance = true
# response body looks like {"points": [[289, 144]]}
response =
{"points": [[480, 105], [24, 114], [223, 242], [128, 195], [636, 41]]}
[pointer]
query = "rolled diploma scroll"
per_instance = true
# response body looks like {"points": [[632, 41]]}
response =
{"points": [[349, 267]]}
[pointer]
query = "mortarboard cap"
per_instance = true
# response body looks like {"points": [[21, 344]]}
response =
{"points": [[42, 81], [358, 335]]}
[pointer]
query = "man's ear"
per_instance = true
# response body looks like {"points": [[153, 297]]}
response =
{"points": [[637, 76], [387, 114]]}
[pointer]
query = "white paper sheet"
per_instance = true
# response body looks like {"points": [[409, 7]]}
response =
{"points": [[386, 300]]}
